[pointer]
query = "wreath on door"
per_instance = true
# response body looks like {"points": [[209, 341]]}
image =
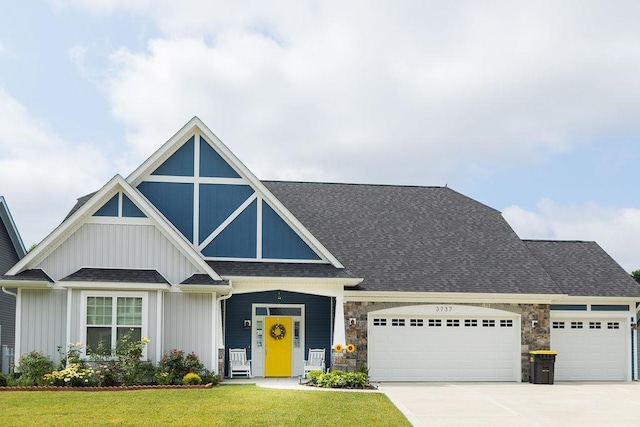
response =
{"points": [[278, 331]]}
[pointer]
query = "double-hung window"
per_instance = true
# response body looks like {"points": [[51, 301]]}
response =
{"points": [[110, 316]]}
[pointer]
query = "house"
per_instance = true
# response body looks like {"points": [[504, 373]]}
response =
{"points": [[11, 250], [195, 252]]}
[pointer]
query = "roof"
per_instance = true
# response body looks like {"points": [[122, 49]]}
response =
{"points": [[11, 245], [29, 275], [416, 239], [583, 268], [115, 275]]}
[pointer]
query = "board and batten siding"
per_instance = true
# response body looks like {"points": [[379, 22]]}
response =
{"points": [[43, 321], [131, 246], [188, 324], [8, 257]]}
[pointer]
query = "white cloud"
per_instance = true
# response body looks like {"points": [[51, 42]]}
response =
{"points": [[616, 230], [459, 87], [40, 173]]}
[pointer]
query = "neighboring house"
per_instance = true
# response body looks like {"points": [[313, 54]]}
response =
{"points": [[194, 252], [11, 250]]}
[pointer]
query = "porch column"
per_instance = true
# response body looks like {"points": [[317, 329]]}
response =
{"points": [[338, 322]]}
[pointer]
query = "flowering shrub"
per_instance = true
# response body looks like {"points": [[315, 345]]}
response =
{"points": [[191, 379], [176, 364], [33, 367], [74, 375]]}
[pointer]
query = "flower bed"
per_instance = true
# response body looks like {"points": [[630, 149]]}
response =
{"points": [[106, 388]]}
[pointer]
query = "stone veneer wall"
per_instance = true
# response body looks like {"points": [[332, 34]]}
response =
{"points": [[537, 338]]}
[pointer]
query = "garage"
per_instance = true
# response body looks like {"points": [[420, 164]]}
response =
{"points": [[444, 343], [591, 349]]}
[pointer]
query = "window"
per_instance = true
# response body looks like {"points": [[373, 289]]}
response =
{"points": [[435, 322], [558, 325], [453, 323], [397, 322], [613, 325], [108, 318], [379, 322], [417, 322], [488, 323], [576, 325], [506, 323], [595, 325]]}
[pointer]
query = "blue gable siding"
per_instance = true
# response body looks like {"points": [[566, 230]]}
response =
{"points": [[318, 322], [217, 202], [180, 163], [238, 239], [129, 209], [175, 201], [110, 208], [279, 241], [212, 165]]}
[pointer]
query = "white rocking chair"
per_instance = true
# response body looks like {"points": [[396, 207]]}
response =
{"points": [[238, 363], [315, 362]]}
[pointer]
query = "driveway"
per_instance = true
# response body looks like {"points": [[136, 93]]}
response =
{"points": [[513, 404]]}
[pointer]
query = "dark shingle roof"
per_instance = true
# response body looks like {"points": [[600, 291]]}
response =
{"points": [[277, 269], [415, 239], [35, 274], [202, 279], [115, 275], [583, 268]]}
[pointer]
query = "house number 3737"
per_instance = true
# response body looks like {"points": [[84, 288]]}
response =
{"points": [[443, 308]]}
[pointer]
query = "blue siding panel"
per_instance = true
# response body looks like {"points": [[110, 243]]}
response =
{"points": [[609, 307], [318, 322], [109, 209], [238, 240], [180, 163], [279, 241], [129, 209], [175, 201], [217, 202], [212, 165]]}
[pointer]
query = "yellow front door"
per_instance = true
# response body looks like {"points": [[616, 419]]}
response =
{"points": [[277, 349]]}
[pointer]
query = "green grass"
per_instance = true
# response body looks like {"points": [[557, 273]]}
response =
{"points": [[237, 405]]}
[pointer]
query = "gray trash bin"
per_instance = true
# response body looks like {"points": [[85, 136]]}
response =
{"points": [[542, 363]]}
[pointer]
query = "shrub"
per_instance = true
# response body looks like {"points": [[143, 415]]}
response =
{"points": [[191, 379], [33, 367], [176, 364], [338, 379], [74, 375], [209, 377], [313, 376], [3, 380]]}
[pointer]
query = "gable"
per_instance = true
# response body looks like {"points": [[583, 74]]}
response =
{"points": [[116, 228], [219, 206]]}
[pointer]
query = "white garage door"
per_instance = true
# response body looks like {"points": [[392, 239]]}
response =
{"points": [[444, 343], [590, 349]]}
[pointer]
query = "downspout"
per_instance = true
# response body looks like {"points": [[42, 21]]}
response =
{"points": [[220, 341], [9, 292]]}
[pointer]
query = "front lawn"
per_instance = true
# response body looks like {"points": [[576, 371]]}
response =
{"points": [[246, 405]]}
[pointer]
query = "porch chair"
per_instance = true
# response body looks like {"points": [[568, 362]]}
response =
{"points": [[238, 363], [315, 361]]}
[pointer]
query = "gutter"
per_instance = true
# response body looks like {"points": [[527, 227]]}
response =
{"points": [[9, 292]]}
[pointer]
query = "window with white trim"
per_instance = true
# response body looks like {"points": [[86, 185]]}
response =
{"points": [[110, 316]]}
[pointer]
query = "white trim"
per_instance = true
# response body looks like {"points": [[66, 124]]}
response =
{"points": [[69, 303], [114, 295], [227, 221], [160, 325], [196, 189], [259, 237], [18, 333], [339, 335], [451, 297], [120, 204], [112, 220], [12, 229], [299, 281], [214, 333], [72, 224], [278, 260], [195, 125], [201, 289], [116, 286], [190, 180]]}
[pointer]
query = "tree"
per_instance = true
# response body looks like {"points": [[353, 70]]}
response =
{"points": [[636, 275]]}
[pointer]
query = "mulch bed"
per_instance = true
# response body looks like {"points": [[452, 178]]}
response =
{"points": [[115, 388]]}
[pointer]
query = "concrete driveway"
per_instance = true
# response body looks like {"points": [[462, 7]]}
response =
{"points": [[513, 404]]}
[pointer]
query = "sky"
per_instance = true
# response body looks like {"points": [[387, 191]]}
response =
{"points": [[531, 108]]}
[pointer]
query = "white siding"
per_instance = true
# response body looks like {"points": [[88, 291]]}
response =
{"points": [[188, 324], [43, 321], [118, 246]]}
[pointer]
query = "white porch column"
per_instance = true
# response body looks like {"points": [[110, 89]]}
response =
{"points": [[338, 323], [215, 329]]}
